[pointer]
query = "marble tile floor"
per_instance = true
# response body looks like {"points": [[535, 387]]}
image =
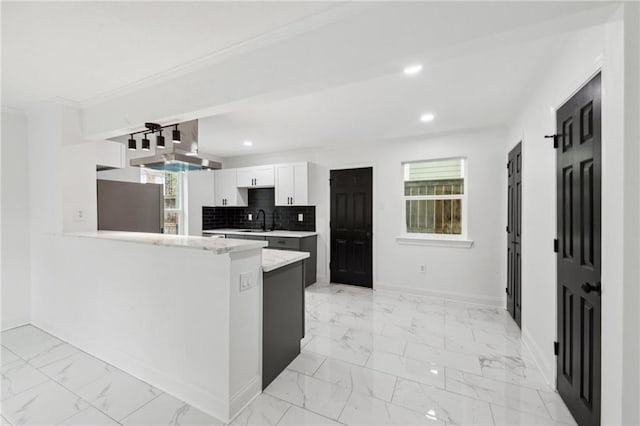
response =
{"points": [[368, 358]]}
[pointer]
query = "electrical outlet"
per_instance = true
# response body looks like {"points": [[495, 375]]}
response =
{"points": [[300, 217], [422, 269], [78, 215], [250, 216], [246, 281]]}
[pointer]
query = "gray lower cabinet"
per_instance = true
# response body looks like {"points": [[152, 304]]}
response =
{"points": [[282, 319], [308, 244]]}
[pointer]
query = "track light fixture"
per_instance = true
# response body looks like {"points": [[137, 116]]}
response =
{"points": [[152, 128], [160, 140], [175, 137], [146, 144]]}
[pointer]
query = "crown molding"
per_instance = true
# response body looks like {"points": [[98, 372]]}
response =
{"points": [[57, 101], [318, 20]]}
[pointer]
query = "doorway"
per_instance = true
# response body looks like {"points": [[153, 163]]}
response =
{"points": [[351, 226], [514, 233], [578, 171]]}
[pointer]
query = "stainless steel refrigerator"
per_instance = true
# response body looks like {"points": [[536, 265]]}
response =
{"points": [[128, 206]]}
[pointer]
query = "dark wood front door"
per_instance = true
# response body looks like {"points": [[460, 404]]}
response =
{"points": [[578, 171], [514, 234], [351, 226]]}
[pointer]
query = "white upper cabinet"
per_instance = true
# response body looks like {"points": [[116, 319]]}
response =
{"points": [[200, 192], [110, 155], [256, 177], [227, 193], [292, 184]]}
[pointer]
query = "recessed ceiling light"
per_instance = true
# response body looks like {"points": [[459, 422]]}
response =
{"points": [[427, 117], [247, 143], [412, 69]]}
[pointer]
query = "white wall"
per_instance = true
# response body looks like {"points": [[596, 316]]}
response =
{"points": [[476, 274], [574, 67], [16, 285], [587, 51]]}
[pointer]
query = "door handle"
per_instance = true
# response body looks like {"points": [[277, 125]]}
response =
{"points": [[588, 288]]}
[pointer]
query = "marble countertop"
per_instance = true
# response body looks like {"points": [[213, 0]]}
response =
{"points": [[277, 233], [215, 245], [274, 259]]}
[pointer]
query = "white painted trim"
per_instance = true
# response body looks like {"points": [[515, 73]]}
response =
{"points": [[244, 397], [196, 396], [536, 353], [458, 297], [417, 240]]}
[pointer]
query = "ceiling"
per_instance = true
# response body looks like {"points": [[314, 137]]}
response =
{"points": [[475, 90], [334, 69], [79, 50]]}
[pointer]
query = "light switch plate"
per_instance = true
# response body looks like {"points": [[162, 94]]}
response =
{"points": [[250, 216], [246, 281], [300, 217]]}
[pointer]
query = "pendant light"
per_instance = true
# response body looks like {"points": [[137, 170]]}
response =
{"points": [[175, 135], [160, 140], [132, 144], [146, 144]]}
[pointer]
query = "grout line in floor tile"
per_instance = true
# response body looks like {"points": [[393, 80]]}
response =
{"points": [[284, 413], [64, 357], [89, 407], [28, 389], [493, 417], [147, 403], [544, 404]]}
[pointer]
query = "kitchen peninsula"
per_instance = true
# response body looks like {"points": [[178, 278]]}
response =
{"points": [[180, 312]]}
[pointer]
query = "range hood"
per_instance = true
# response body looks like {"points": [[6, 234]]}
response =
{"points": [[176, 161], [173, 158]]}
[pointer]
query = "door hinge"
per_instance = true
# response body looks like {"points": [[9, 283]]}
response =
{"points": [[556, 348], [506, 290], [555, 245], [507, 228], [555, 139]]}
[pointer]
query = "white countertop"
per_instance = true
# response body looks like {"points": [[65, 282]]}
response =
{"points": [[216, 245], [277, 233], [274, 259]]}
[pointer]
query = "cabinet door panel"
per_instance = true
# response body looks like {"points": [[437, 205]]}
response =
{"points": [[264, 176], [284, 184], [245, 177], [300, 184]]}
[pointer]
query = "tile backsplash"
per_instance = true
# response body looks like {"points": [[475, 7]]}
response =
{"points": [[277, 217]]}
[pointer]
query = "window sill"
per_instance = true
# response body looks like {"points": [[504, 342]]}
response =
{"points": [[418, 240]]}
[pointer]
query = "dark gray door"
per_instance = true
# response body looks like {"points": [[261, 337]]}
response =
{"points": [[514, 234], [351, 226], [578, 260]]}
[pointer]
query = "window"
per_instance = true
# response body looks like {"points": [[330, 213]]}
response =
{"points": [[435, 198], [172, 181]]}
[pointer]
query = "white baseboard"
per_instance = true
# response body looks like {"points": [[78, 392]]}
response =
{"points": [[459, 297], [193, 395], [537, 353], [8, 325], [244, 397]]}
